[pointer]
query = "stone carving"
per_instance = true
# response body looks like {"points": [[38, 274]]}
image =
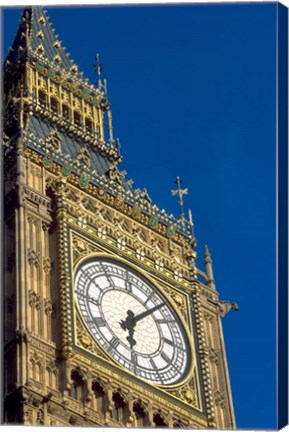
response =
{"points": [[33, 258], [40, 417], [187, 393], [48, 308], [219, 399], [34, 299], [214, 356], [47, 265]]}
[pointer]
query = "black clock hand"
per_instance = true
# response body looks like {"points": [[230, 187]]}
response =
{"points": [[147, 312], [131, 320], [129, 324]]}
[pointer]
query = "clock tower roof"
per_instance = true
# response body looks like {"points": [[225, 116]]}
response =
{"points": [[68, 121], [37, 37]]}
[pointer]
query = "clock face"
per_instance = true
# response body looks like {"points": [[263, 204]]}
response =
{"points": [[133, 322]]}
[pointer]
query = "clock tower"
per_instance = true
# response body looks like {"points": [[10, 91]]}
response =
{"points": [[108, 319]]}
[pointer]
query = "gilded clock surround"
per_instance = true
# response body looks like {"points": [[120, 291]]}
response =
{"points": [[62, 208]]}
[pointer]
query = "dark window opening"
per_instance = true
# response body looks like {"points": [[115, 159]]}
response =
{"points": [[159, 421], [140, 414], [76, 391], [65, 112], [77, 119], [42, 97], [54, 105], [89, 125], [120, 408]]}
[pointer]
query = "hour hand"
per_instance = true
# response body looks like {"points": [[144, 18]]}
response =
{"points": [[129, 324]]}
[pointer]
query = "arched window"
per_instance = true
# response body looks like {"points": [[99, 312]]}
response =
{"points": [[178, 424], [100, 400], [54, 105], [140, 415], [77, 387], [42, 97], [159, 421], [120, 408], [65, 112], [77, 119], [89, 125]]}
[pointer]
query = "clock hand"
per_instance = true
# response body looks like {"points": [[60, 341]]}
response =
{"points": [[130, 322], [148, 312]]}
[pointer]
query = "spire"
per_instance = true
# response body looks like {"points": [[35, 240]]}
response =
{"points": [[180, 192], [36, 38], [209, 268]]}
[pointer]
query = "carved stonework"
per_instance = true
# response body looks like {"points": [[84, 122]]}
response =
{"points": [[81, 247], [85, 340], [187, 393], [35, 171], [47, 265], [219, 399], [52, 366], [27, 415], [34, 299], [209, 317], [214, 356], [35, 358], [33, 258], [40, 417], [48, 307]]}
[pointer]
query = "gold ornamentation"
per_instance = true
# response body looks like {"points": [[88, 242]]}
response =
{"points": [[136, 212], [119, 201], [40, 48], [42, 19]]}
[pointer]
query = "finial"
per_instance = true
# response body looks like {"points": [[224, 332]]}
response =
{"points": [[98, 69], [207, 254], [180, 192]]}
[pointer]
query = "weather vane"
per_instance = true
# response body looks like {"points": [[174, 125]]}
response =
{"points": [[98, 69], [180, 192]]}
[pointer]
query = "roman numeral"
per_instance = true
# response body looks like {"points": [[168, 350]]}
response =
{"points": [[128, 286], [168, 341], [134, 358], [93, 300], [165, 321], [114, 343], [99, 322], [165, 357]]}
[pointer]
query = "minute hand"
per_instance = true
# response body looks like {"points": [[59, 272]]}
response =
{"points": [[147, 312]]}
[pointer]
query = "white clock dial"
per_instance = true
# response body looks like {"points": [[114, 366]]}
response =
{"points": [[130, 318]]}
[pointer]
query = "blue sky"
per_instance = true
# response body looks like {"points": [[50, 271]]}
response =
{"points": [[193, 93]]}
